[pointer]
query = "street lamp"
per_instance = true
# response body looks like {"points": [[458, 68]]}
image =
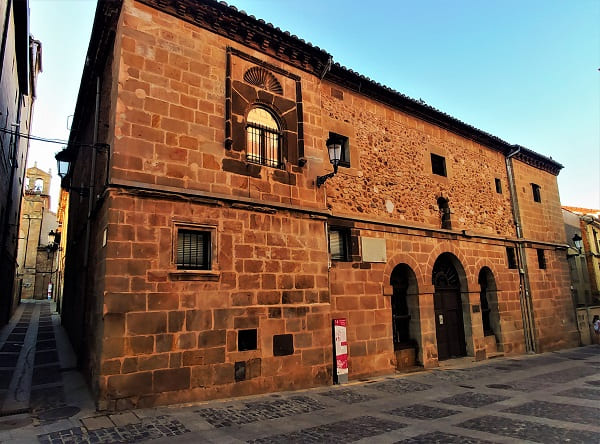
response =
{"points": [[578, 241], [63, 168], [334, 148]]}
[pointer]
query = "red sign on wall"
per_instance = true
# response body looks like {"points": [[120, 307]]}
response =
{"points": [[341, 350]]}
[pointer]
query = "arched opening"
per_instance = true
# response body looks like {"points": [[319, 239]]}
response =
{"points": [[447, 301], [444, 209], [490, 317], [405, 313], [263, 138], [38, 185]]}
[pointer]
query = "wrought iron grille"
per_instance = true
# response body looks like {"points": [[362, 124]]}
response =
{"points": [[193, 250], [263, 145]]}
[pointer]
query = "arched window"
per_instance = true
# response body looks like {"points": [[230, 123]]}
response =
{"points": [[263, 138], [39, 185], [444, 213]]}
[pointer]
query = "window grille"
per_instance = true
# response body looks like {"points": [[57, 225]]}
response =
{"points": [[338, 244], [193, 250], [263, 144]]}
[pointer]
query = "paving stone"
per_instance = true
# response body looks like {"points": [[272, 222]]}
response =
{"points": [[15, 422], [348, 396], [122, 419], [421, 411], [561, 412], [531, 431], [544, 380], [341, 431], [58, 413], [399, 386], [567, 375], [97, 422], [583, 393], [442, 438], [149, 428], [259, 411], [474, 400]]}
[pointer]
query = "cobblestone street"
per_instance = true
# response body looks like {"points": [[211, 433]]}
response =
{"points": [[546, 398]]}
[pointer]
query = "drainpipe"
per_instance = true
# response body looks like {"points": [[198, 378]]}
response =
{"points": [[524, 287], [92, 194]]}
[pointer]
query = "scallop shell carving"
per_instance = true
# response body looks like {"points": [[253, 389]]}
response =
{"points": [[263, 79]]}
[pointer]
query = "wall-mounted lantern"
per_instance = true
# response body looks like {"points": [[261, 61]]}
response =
{"points": [[334, 148]]}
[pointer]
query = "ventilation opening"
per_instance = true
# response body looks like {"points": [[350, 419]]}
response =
{"points": [[247, 340], [283, 345]]}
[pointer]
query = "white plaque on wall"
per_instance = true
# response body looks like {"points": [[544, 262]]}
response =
{"points": [[373, 249]]}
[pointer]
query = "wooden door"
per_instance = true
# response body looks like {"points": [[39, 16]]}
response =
{"points": [[447, 303]]}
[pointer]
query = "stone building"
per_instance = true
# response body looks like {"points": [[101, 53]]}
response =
{"points": [[36, 252], [20, 63], [204, 260]]}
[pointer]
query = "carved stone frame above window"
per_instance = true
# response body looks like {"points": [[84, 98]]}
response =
{"points": [[258, 84]]}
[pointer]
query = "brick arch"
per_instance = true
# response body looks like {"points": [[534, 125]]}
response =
{"points": [[404, 258], [448, 247]]}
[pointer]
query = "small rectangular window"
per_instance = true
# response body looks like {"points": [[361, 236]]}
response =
{"points": [[498, 186], [438, 165], [511, 258], [339, 243], [537, 197], [193, 250], [541, 259], [345, 154], [247, 340]]}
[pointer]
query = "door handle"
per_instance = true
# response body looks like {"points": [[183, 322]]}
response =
{"points": [[441, 319]]}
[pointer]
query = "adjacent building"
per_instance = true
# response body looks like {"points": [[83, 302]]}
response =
{"points": [[582, 227], [20, 63], [210, 244], [36, 272]]}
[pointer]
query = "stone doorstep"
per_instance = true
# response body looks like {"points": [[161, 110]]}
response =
{"points": [[97, 422], [123, 419]]}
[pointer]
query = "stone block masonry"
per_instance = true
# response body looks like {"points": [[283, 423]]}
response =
{"points": [[412, 241], [171, 335]]}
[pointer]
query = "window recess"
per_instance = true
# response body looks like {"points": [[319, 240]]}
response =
{"points": [[339, 244]]}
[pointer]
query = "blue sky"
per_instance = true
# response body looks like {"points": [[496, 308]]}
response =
{"points": [[525, 71]]}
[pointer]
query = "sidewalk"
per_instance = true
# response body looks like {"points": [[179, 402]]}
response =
{"points": [[552, 397]]}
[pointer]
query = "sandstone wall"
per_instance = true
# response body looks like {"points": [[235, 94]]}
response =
{"points": [[171, 335]]}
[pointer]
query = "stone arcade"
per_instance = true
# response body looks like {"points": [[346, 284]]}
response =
{"points": [[203, 261]]}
